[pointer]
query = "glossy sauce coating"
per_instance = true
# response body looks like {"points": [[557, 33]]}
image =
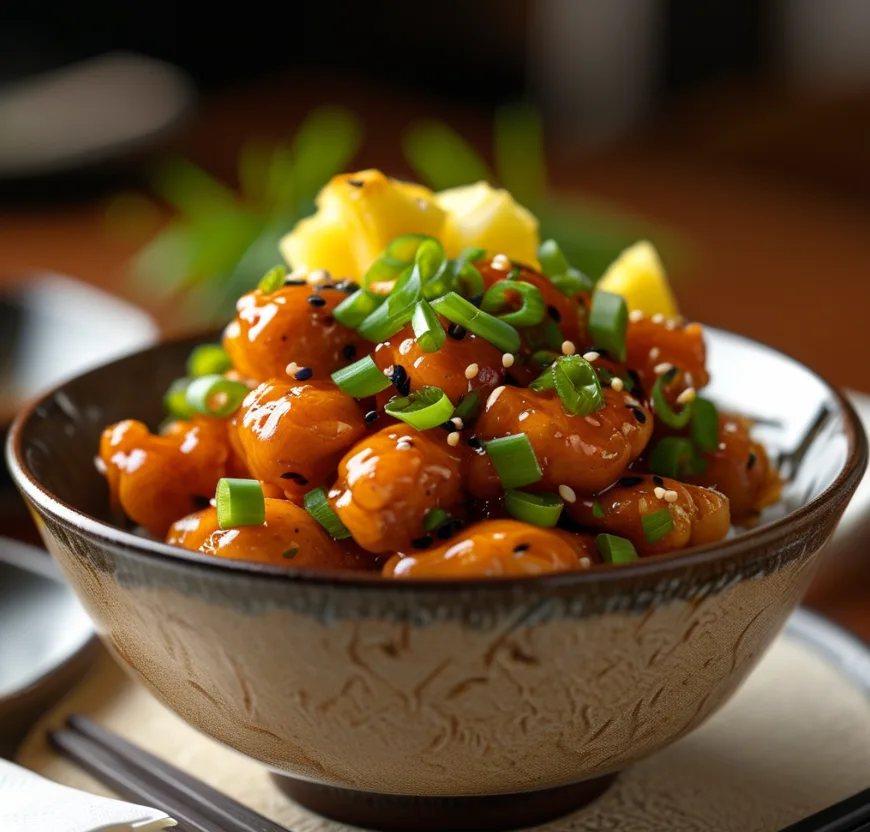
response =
{"points": [[156, 479], [289, 537], [272, 330], [650, 342], [390, 480], [699, 514], [587, 453], [497, 548], [293, 434]]}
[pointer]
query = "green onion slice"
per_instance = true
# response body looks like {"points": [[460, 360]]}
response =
{"points": [[676, 457], [537, 509], [608, 323], [317, 505], [597, 510], [471, 254], [396, 310], [429, 259], [553, 261], [208, 359], [272, 280], [514, 460], [426, 408], [361, 379], [657, 525], [434, 518], [175, 399], [214, 395], [355, 308], [459, 311], [705, 425], [239, 503], [397, 256], [468, 408], [406, 247], [614, 549], [544, 358], [664, 411], [573, 282], [428, 331], [532, 307], [576, 382]]}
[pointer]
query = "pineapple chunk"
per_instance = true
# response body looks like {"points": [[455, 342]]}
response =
{"points": [[638, 275], [480, 215], [358, 215]]}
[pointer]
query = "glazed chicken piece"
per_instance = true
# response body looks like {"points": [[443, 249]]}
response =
{"points": [[650, 343], [699, 515], [289, 537], [292, 324], [156, 479], [740, 469], [293, 434], [586, 453], [496, 548], [390, 480]]}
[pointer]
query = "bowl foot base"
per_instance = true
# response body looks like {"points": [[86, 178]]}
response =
{"points": [[487, 813]]}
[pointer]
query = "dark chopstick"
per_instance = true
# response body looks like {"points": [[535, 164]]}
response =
{"points": [[849, 815], [137, 775]]}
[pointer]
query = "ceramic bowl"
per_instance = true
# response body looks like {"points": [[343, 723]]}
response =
{"points": [[429, 703]]}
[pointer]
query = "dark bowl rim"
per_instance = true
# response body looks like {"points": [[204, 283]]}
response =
{"points": [[757, 540]]}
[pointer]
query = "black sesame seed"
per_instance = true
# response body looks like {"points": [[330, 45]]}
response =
{"points": [[670, 375], [630, 482], [475, 300], [316, 300], [422, 542], [349, 352], [200, 501], [554, 313], [444, 530], [659, 482], [293, 281], [638, 413], [600, 350], [635, 380], [372, 416], [457, 332], [400, 380], [303, 374], [292, 475], [750, 463], [448, 426], [356, 183], [348, 286], [522, 547], [474, 442]]}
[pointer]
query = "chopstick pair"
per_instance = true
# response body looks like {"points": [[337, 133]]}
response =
{"points": [[139, 776], [849, 815]]}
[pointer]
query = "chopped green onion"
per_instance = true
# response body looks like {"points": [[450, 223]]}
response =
{"points": [[427, 408], [537, 509], [396, 310], [272, 280], [573, 282], [175, 399], [663, 409], [471, 254], [576, 382], [208, 359], [705, 425], [428, 331], [676, 457], [355, 308], [553, 261], [468, 407], [597, 510], [239, 503], [397, 256], [614, 549], [434, 518], [429, 259], [361, 379], [544, 358], [514, 460], [317, 505], [657, 525], [532, 308], [215, 395], [405, 248], [608, 323], [470, 280], [457, 310]]}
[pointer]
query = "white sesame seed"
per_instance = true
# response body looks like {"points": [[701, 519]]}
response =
{"points": [[631, 401], [688, 395], [493, 397], [453, 438], [659, 492], [317, 277], [591, 355], [687, 377], [457, 423], [471, 371], [721, 446], [507, 360], [567, 494], [671, 496], [405, 346], [658, 318], [568, 348], [501, 262], [291, 368], [664, 367], [585, 563], [558, 434], [617, 384], [670, 325], [635, 315], [594, 422], [654, 353]]}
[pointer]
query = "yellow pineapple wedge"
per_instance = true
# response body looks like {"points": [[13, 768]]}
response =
{"points": [[638, 275], [358, 215], [480, 215]]}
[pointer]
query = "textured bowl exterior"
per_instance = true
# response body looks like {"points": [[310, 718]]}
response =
{"points": [[440, 688]]}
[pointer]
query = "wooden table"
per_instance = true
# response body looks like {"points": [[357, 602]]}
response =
{"points": [[777, 258]]}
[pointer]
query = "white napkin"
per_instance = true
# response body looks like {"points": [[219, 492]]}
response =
{"points": [[30, 803]]}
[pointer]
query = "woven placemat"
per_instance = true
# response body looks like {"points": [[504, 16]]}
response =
{"points": [[795, 739]]}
